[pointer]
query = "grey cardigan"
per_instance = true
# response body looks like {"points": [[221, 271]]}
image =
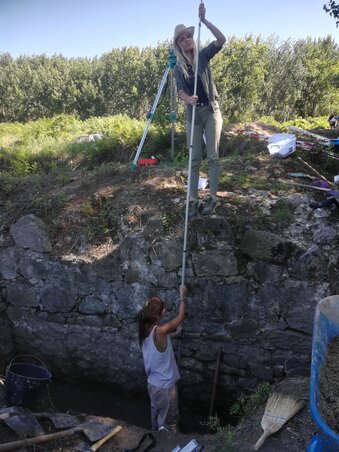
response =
{"points": [[204, 70]]}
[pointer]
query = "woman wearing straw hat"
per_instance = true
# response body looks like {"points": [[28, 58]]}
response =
{"points": [[208, 120]]}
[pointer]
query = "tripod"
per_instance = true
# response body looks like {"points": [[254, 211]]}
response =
{"points": [[170, 65]]}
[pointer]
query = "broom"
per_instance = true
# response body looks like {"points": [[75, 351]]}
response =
{"points": [[279, 409]]}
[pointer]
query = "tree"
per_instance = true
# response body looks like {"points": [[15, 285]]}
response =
{"points": [[285, 79], [332, 8], [320, 61], [254, 78], [239, 73]]}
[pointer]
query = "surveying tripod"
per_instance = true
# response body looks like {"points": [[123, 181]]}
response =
{"points": [[170, 65]]}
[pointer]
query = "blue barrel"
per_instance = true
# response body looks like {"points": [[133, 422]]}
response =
{"points": [[335, 144], [319, 444], [26, 378], [326, 327]]}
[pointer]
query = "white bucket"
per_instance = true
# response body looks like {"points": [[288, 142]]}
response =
{"points": [[282, 144]]}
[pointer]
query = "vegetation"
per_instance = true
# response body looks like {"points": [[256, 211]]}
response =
{"points": [[247, 404], [244, 406], [49, 145], [46, 103], [254, 77], [225, 438], [282, 213], [89, 190]]}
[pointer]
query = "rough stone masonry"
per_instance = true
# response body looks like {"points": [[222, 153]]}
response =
{"points": [[254, 297]]}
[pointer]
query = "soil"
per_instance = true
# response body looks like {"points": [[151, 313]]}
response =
{"points": [[329, 386], [85, 211], [133, 415], [127, 438], [86, 208]]}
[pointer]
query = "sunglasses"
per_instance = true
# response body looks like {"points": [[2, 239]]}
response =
{"points": [[184, 36]]}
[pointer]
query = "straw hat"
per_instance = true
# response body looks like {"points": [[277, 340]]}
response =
{"points": [[181, 28]]}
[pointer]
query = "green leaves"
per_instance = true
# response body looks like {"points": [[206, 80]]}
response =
{"points": [[254, 77], [332, 8]]}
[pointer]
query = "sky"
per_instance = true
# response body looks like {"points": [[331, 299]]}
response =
{"points": [[89, 28]]}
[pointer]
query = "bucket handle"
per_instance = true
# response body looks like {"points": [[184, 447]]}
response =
{"points": [[28, 356]]}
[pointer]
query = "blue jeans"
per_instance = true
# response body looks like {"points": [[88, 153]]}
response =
{"points": [[208, 122]]}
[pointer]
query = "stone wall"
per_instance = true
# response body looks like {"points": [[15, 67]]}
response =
{"points": [[254, 297]]}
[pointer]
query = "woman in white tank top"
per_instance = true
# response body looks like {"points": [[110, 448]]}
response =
{"points": [[159, 361]]}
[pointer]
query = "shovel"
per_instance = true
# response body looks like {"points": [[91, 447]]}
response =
{"points": [[26, 425], [10, 410], [24, 422], [94, 447], [60, 420], [93, 430], [21, 420]]}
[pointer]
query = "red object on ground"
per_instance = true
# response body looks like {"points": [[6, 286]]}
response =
{"points": [[253, 134], [306, 145], [151, 161]]}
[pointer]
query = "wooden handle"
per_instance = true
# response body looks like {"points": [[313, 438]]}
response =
{"points": [[40, 439], [314, 170], [260, 441], [215, 380], [103, 440]]}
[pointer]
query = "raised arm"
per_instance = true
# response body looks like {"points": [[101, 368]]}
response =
{"points": [[172, 325], [220, 38]]}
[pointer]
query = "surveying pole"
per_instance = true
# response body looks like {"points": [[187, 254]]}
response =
{"points": [[173, 115], [184, 250]]}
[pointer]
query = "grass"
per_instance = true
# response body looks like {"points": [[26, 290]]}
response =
{"points": [[50, 142], [319, 122], [240, 146], [248, 404], [61, 176], [282, 213], [225, 438], [34, 146]]}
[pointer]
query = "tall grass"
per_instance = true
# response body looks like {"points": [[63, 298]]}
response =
{"points": [[320, 122], [34, 146], [51, 142]]}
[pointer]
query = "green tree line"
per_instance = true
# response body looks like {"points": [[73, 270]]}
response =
{"points": [[255, 77]]}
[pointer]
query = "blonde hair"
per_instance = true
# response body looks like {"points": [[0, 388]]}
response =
{"points": [[182, 58]]}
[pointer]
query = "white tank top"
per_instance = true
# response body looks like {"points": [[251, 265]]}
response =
{"points": [[161, 367]]}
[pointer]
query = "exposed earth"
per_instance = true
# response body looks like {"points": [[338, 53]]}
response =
{"points": [[329, 386], [295, 435], [87, 209]]}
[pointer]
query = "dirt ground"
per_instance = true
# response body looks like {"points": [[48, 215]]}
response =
{"points": [[294, 436], [127, 438], [329, 386], [86, 208]]}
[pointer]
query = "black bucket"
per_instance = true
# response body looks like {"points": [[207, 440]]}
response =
{"points": [[25, 381]]}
